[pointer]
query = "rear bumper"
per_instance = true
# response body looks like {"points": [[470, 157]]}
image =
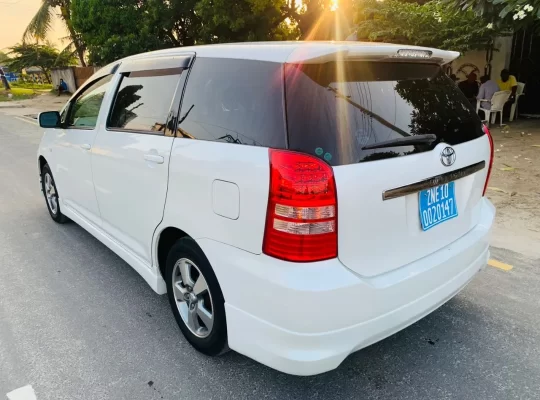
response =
{"points": [[305, 319]]}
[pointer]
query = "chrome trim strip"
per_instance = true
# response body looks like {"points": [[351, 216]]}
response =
{"points": [[433, 181]]}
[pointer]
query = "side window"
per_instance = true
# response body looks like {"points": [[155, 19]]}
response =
{"points": [[143, 100], [84, 111], [234, 101]]}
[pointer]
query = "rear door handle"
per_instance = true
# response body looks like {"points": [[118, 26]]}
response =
{"points": [[154, 158], [85, 146]]}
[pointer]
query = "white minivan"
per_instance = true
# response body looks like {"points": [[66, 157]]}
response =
{"points": [[295, 201]]}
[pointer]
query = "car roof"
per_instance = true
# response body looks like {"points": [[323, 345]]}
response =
{"points": [[290, 52], [298, 51]]}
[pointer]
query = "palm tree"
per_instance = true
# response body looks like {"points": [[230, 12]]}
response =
{"points": [[40, 25]]}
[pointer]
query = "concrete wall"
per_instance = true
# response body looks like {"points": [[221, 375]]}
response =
{"points": [[67, 75], [501, 60]]}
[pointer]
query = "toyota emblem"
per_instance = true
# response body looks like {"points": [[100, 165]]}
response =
{"points": [[448, 156]]}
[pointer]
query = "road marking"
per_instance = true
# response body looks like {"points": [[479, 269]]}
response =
{"points": [[24, 393], [27, 120], [500, 265]]}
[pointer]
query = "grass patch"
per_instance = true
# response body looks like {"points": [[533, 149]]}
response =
{"points": [[21, 91], [28, 85], [18, 94]]}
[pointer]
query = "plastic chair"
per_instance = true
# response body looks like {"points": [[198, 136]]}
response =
{"points": [[498, 101], [519, 92]]}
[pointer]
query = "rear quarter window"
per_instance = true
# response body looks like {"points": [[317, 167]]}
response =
{"points": [[234, 101], [335, 109]]}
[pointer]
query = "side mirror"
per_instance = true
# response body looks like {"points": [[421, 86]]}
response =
{"points": [[49, 119]]}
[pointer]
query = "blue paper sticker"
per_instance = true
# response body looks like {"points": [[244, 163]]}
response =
{"points": [[319, 151], [328, 156]]}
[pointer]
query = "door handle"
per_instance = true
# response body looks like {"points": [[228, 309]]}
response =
{"points": [[85, 146], [154, 158]]}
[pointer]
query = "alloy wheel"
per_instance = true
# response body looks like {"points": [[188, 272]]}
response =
{"points": [[193, 298], [50, 193]]}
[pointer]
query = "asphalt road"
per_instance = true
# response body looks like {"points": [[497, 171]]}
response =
{"points": [[76, 322]]}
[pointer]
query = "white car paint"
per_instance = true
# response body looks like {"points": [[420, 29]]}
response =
{"points": [[393, 224], [130, 174], [331, 311], [199, 163], [300, 318], [294, 51], [73, 171], [23, 393]]}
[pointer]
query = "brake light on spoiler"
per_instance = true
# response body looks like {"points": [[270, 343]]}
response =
{"points": [[414, 53]]}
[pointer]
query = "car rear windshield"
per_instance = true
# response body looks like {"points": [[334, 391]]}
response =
{"points": [[336, 109]]}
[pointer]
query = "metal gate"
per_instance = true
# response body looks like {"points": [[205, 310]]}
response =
{"points": [[525, 65], [81, 74]]}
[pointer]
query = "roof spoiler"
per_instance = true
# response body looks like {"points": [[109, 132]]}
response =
{"points": [[369, 52]]}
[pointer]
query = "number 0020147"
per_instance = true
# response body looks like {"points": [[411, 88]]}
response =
{"points": [[438, 212]]}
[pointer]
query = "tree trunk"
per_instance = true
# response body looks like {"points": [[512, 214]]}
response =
{"points": [[66, 16], [80, 54]]}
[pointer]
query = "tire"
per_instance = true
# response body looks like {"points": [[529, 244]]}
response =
{"points": [[190, 301], [50, 193]]}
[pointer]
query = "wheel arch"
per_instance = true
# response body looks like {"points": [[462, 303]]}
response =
{"points": [[166, 239], [41, 163]]}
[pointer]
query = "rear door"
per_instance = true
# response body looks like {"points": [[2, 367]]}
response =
{"points": [[130, 158], [337, 111]]}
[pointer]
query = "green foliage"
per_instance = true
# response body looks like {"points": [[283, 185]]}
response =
{"points": [[514, 13], [36, 55], [41, 24], [254, 20], [247, 20], [433, 24], [3, 57], [112, 29]]}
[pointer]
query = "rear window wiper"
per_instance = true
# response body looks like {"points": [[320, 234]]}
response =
{"points": [[404, 141]]}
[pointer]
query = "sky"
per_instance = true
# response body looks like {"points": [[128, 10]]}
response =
{"points": [[15, 16]]}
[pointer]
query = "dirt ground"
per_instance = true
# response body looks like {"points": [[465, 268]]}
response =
{"points": [[514, 187]]}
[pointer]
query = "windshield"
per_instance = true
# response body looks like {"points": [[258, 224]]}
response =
{"points": [[334, 110]]}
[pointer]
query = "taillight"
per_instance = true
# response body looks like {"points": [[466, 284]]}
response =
{"points": [[486, 131], [301, 220]]}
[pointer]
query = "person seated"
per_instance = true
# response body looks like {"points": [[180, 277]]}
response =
{"points": [[62, 87], [488, 88], [469, 87], [508, 82]]}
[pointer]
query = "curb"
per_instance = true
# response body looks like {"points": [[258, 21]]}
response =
{"points": [[10, 105]]}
